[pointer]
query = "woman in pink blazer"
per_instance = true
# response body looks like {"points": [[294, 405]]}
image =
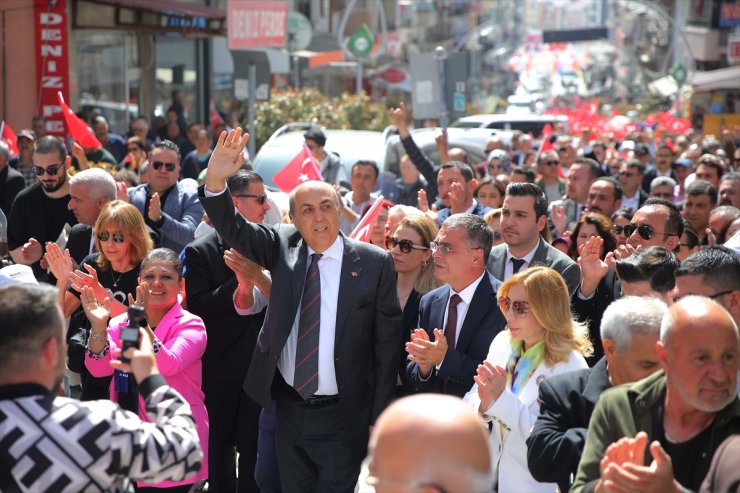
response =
{"points": [[179, 340]]}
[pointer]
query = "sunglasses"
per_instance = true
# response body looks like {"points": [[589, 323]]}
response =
{"points": [[261, 199], [51, 170], [563, 149], [618, 229], [551, 163], [520, 308], [105, 236], [404, 245], [167, 166], [644, 230]]}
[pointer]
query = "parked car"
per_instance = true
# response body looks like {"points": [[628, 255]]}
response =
{"points": [[526, 123], [350, 145]]}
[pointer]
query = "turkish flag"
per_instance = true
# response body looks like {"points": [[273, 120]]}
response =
{"points": [[8, 136], [364, 229], [77, 128], [546, 130], [302, 168]]}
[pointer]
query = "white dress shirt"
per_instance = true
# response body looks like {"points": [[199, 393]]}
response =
{"points": [[509, 266], [330, 269]]}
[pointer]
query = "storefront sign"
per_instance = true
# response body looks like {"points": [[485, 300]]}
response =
{"points": [[729, 15], [52, 61], [257, 24], [733, 49]]}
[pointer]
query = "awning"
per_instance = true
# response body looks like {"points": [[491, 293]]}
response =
{"points": [[724, 78], [157, 16]]}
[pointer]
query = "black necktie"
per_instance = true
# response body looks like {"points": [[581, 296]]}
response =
{"points": [[518, 262], [306, 376], [451, 327]]}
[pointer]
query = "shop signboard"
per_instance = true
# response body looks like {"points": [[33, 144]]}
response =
{"points": [[257, 23], [733, 49], [729, 15], [52, 61]]}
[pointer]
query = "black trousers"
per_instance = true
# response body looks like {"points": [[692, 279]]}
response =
{"points": [[313, 450], [233, 427]]}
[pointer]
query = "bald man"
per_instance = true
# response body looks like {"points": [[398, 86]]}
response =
{"points": [[429, 443], [683, 412]]}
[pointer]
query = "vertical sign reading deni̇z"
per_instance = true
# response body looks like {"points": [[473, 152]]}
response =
{"points": [[257, 24], [52, 61]]}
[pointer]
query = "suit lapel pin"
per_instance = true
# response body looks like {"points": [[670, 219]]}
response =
{"points": [[355, 274], [539, 379]]}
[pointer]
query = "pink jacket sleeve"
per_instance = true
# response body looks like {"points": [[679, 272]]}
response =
{"points": [[182, 345], [100, 366]]}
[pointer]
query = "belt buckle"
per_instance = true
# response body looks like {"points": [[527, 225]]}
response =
{"points": [[321, 400]]}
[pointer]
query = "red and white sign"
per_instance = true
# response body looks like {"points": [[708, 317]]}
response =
{"points": [[733, 50], [52, 61], [257, 24]]}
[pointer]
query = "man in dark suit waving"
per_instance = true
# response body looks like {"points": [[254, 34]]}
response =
{"points": [[459, 319], [328, 350]]}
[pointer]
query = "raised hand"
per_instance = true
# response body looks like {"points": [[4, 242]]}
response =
{"points": [[424, 352], [121, 191], [491, 380], [457, 198], [400, 116], [32, 251], [142, 296], [225, 160], [593, 269], [79, 153], [97, 313], [155, 208], [559, 219], [422, 202], [61, 264], [80, 280]]}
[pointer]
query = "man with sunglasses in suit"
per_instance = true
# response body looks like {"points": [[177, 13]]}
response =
{"points": [[460, 319], [40, 213], [169, 207]]}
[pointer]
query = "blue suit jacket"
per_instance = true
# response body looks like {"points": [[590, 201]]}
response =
{"points": [[182, 213], [478, 210], [482, 322]]}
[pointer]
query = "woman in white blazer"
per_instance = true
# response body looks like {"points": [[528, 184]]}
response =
{"points": [[541, 340]]}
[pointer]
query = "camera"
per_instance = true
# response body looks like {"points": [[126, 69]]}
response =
{"points": [[130, 333]]}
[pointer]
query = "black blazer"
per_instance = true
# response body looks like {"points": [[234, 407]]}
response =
{"points": [[566, 402], [11, 183], [368, 326], [210, 286], [482, 322]]}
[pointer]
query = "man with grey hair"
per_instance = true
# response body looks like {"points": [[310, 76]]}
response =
{"points": [[550, 182], [55, 444], [39, 213], [11, 181], [429, 441], [663, 187], [729, 189], [684, 411], [89, 191], [460, 319], [629, 330]]}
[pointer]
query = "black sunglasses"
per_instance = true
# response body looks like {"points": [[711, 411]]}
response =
{"points": [[618, 229], [105, 236], [644, 230], [51, 170], [563, 149], [167, 166], [404, 245], [551, 163], [261, 199]]}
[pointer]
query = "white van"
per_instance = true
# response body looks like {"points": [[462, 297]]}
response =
{"points": [[526, 123]]}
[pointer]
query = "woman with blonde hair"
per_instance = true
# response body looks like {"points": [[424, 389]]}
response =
{"points": [[541, 340], [412, 257]]}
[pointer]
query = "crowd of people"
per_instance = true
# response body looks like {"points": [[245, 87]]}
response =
{"points": [[471, 343]]}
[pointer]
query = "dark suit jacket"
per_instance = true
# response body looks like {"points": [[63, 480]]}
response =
{"points": [[210, 287], [482, 322], [566, 402], [478, 210], [368, 326], [78, 242], [11, 182], [546, 255]]}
